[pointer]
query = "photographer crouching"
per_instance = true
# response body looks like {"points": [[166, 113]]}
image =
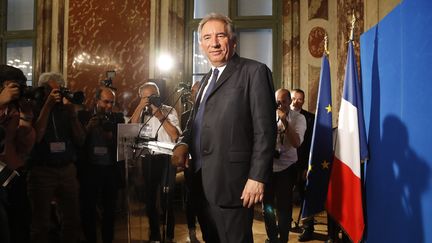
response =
{"points": [[52, 171], [17, 137], [100, 172]]}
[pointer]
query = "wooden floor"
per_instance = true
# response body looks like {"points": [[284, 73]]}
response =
{"points": [[139, 227]]}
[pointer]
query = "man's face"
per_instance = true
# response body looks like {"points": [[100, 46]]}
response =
{"points": [[106, 101], [216, 43], [297, 101], [284, 99]]}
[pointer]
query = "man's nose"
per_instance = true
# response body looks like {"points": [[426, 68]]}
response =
{"points": [[215, 42]]}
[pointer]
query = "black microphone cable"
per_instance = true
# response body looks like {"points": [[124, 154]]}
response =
{"points": [[166, 115]]}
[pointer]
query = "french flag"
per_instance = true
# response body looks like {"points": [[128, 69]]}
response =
{"points": [[344, 196]]}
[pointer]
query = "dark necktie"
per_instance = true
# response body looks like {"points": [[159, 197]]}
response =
{"points": [[197, 125]]}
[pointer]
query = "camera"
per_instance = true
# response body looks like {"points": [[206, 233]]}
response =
{"points": [[184, 86], [155, 100], [185, 90], [106, 121], [39, 93], [108, 81], [278, 105], [74, 97], [31, 93]]}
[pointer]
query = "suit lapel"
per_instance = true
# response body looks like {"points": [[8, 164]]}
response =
{"points": [[228, 71], [204, 82], [231, 67]]}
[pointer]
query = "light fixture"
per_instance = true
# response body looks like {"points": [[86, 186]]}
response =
{"points": [[165, 62]]}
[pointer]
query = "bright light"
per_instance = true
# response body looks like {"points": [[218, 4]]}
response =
{"points": [[165, 62]]}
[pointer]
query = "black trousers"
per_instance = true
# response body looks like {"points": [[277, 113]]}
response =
{"points": [[190, 209], [159, 174], [278, 195], [99, 189], [221, 224]]}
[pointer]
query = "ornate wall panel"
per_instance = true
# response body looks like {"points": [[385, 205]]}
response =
{"points": [[109, 35], [344, 16], [318, 9], [291, 44], [313, 83]]}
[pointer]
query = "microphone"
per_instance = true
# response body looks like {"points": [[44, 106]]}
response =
{"points": [[147, 110], [183, 87]]}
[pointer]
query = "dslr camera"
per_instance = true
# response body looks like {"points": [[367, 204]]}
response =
{"points": [[107, 121], [39, 93], [278, 105], [74, 97], [155, 100]]}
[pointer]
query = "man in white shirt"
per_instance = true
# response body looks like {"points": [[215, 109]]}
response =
{"points": [[161, 123], [291, 128]]}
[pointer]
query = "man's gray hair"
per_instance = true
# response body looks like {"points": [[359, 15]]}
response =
{"points": [[148, 85], [229, 26], [46, 77]]}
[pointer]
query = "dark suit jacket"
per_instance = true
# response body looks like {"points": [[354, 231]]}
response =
{"points": [[304, 149], [238, 131]]}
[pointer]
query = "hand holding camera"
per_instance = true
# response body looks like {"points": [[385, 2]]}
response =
{"points": [[54, 97], [10, 92], [282, 111], [151, 105]]}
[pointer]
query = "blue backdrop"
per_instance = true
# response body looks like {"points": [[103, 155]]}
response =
{"points": [[396, 59]]}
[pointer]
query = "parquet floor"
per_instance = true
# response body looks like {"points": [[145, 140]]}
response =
{"points": [[139, 227]]}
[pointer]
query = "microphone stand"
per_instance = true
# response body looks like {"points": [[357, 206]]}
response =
{"points": [[165, 186]]}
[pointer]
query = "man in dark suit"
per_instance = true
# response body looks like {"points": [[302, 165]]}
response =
{"points": [[190, 207], [297, 98], [231, 135]]}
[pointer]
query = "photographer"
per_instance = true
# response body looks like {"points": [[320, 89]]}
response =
{"points": [[52, 174], [161, 123], [17, 137], [291, 128], [100, 172]]}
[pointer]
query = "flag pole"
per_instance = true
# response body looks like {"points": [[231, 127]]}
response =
{"points": [[353, 21], [326, 51]]}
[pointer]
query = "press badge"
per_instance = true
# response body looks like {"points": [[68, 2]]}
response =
{"points": [[100, 150], [57, 147]]}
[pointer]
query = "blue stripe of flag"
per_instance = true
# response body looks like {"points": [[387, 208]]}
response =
{"points": [[321, 154]]}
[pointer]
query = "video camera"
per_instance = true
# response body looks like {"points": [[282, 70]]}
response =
{"points": [[108, 81], [185, 90]]}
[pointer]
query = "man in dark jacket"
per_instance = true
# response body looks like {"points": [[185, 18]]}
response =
{"points": [[231, 134]]}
